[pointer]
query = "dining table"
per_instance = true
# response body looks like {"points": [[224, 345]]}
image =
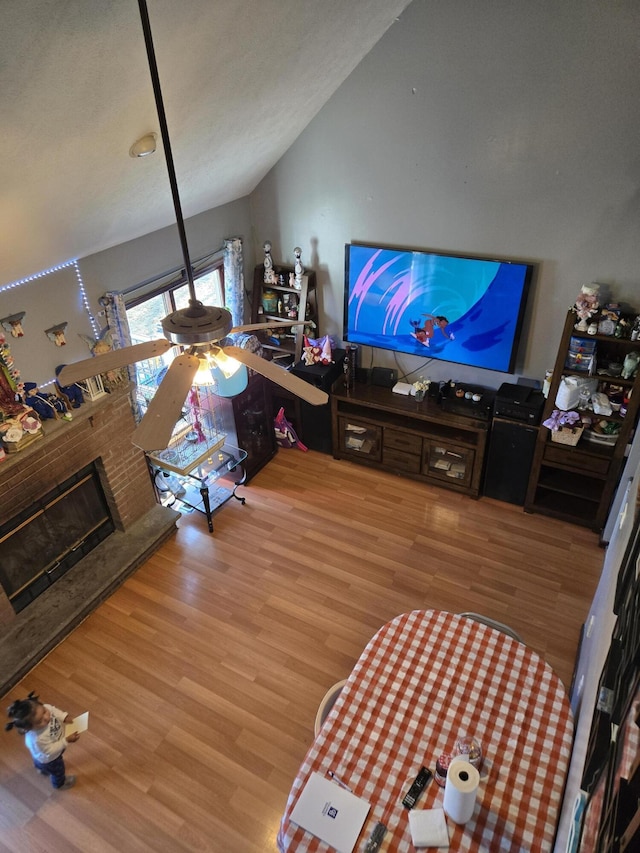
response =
{"points": [[424, 680]]}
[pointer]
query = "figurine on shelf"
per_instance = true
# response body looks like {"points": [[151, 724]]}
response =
{"points": [[298, 268], [44, 405], [630, 366], [586, 305], [269, 272], [71, 393]]}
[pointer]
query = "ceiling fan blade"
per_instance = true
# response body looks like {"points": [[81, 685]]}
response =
{"points": [[307, 392], [155, 429], [112, 360], [270, 324]]}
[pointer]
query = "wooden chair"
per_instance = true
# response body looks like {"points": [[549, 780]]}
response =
{"points": [[327, 703], [492, 623]]}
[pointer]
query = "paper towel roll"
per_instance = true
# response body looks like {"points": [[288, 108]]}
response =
{"points": [[460, 790]]}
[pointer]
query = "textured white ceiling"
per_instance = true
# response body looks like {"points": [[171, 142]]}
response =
{"points": [[240, 80]]}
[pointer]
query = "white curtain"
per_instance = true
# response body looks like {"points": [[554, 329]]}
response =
{"points": [[117, 323], [234, 279]]}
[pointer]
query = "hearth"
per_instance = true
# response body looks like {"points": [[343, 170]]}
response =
{"points": [[40, 544]]}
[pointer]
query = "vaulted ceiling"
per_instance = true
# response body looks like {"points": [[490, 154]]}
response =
{"points": [[240, 80]]}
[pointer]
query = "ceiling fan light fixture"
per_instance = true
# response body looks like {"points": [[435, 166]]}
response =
{"points": [[203, 373], [228, 366], [230, 386], [144, 146]]}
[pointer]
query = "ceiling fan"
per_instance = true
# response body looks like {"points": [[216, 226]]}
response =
{"points": [[198, 327]]}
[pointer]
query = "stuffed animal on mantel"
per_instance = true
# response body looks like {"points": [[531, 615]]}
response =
{"points": [[46, 406], [71, 394]]}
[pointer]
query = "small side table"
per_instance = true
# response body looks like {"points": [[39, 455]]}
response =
{"points": [[199, 484]]}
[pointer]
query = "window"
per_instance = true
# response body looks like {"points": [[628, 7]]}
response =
{"points": [[148, 303]]}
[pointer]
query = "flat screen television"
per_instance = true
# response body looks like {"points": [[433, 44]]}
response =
{"points": [[461, 309]]}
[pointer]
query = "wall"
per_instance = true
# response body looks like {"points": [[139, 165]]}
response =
{"points": [[599, 626], [498, 128], [58, 297]]}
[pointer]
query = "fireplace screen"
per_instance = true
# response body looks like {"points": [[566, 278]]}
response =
{"points": [[42, 543]]}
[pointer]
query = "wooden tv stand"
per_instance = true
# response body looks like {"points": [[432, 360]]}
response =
{"points": [[373, 426]]}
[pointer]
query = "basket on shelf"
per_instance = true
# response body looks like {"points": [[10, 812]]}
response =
{"points": [[567, 435]]}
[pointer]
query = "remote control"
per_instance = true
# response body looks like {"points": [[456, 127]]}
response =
{"points": [[376, 838], [420, 782]]}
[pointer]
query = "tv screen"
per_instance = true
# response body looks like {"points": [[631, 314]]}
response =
{"points": [[465, 310]]}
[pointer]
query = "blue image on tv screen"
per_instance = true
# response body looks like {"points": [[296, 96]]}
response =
{"points": [[464, 310]]}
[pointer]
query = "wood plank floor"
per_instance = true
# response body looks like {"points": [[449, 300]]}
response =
{"points": [[203, 672]]}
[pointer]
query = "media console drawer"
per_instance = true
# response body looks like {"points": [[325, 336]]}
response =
{"points": [[405, 441], [400, 461]]}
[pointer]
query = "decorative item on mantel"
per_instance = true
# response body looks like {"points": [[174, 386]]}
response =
{"points": [[19, 424], [93, 387], [112, 379], [47, 406]]}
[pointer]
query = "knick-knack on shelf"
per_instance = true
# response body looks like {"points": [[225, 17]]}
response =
{"points": [[586, 305], [298, 268]]}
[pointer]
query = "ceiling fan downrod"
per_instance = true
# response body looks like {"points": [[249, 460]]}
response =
{"points": [[164, 133]]}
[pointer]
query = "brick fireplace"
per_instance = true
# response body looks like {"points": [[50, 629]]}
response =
{"points": [[99, 433]]}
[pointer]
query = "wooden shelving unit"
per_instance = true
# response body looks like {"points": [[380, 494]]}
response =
{"points": [[290, 303], [577, 483]]}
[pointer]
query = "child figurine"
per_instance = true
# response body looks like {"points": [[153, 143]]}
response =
{"points": [[72, 393], [586, 305], [43, 729], [45, 405]]}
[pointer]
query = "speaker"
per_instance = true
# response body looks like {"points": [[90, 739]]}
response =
{"points": [[511, 446], [386, 377]]}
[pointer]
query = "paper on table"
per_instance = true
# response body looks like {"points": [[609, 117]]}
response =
{"points": [[428, 828], [79, 724], [332, 813]]}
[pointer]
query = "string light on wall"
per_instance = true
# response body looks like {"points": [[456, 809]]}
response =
{"points": [[85, 300], [83, 292], [50, 271]]}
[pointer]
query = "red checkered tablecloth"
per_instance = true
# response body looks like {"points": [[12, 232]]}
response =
{"points": [[426, 678]]}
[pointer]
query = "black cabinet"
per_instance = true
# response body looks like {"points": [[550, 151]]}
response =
{"points": [[249, 417], [511, 448], [311, 423]]}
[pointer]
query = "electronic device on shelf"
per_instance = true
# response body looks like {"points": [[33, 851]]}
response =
{"points": [[472, 401], [467, 310], [519, 403]]}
